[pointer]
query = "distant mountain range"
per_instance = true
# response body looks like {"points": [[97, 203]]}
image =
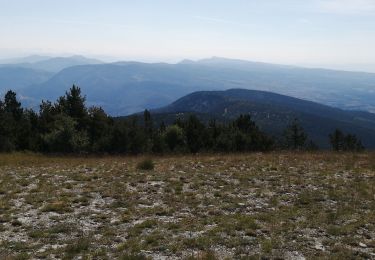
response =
{"points": [[27, 59], [123, 88], [50, 64], [23, 73], [272, 113]]}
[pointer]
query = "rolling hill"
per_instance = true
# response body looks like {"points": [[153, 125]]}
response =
{"points": [[272, 112], [121, 88], [16, 78], [126, 87]]}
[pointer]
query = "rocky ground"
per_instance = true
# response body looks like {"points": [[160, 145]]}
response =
{"points": [[278, 206]]}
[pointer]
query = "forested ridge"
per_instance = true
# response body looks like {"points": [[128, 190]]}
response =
{"points": [[69, 126]]}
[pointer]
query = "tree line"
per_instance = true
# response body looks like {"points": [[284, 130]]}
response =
{"points": [[69, 126]]}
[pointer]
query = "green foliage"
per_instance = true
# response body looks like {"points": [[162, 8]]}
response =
{"points": [[68, 126], [352, 143], [14, 125], [146, 165], [64, 136], [174, 136], [99, 132], [73, 105], [12, 106], [193, 132], [295, 136], [341, 142], [337, 140], [240, 136]]}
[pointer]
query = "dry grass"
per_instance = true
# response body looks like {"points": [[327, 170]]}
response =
{"points": [[311, 205]]}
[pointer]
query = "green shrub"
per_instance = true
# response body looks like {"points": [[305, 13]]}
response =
{"points": [[146, 165]]}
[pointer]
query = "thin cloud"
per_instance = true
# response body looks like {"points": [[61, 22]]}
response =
{"points": [[347, 6], [221, 21], [92, 23], [305, 21], [70, 22]]}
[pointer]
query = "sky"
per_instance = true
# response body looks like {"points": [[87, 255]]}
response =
{"points": [[319, 33]]}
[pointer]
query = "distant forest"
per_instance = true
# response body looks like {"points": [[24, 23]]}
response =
{"points": [[68, 126]]}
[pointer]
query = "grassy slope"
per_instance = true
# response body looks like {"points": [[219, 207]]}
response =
{"points": [[279, 204]]}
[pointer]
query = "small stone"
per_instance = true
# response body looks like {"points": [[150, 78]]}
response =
{"points": [[319, 246], [362, 245]]}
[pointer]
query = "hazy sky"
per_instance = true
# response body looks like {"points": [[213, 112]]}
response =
{"points": [[316, 32]]}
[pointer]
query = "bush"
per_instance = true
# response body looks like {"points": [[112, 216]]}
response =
{"points": [[146, 165], [174, 137]]}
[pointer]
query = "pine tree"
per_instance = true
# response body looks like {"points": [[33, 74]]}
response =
{"points": [[148, 122], [100, 125], [337, 140], [194, 132], [12, 106], [341, 142], [352, 143], [295, 136], [73, 105], [13, 127], [174, 137]]}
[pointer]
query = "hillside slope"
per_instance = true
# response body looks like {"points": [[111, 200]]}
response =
{"points": [[126, 87], [16, 78], [272, 112], [120, 89]]}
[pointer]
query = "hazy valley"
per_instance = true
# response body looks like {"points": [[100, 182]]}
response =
{"points": [[123, 88]]}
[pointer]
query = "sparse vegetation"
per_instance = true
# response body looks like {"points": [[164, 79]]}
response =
{"points": [[76, 246], [276, 205]]}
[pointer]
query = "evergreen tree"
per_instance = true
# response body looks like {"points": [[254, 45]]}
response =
{"points": [[120, 142], [73, 105], [174, 137], [13, 126], [337, 140], [341, 142], [99, 129], [194, 132], [211, 135], [148, 123], [311, 146], [64, 137], [12, 106], [7, 142], [68, 126], [225, 140], [248, 137], [295, 136], [352, 143], [138, 142], [162, 127], [245, 124]]}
